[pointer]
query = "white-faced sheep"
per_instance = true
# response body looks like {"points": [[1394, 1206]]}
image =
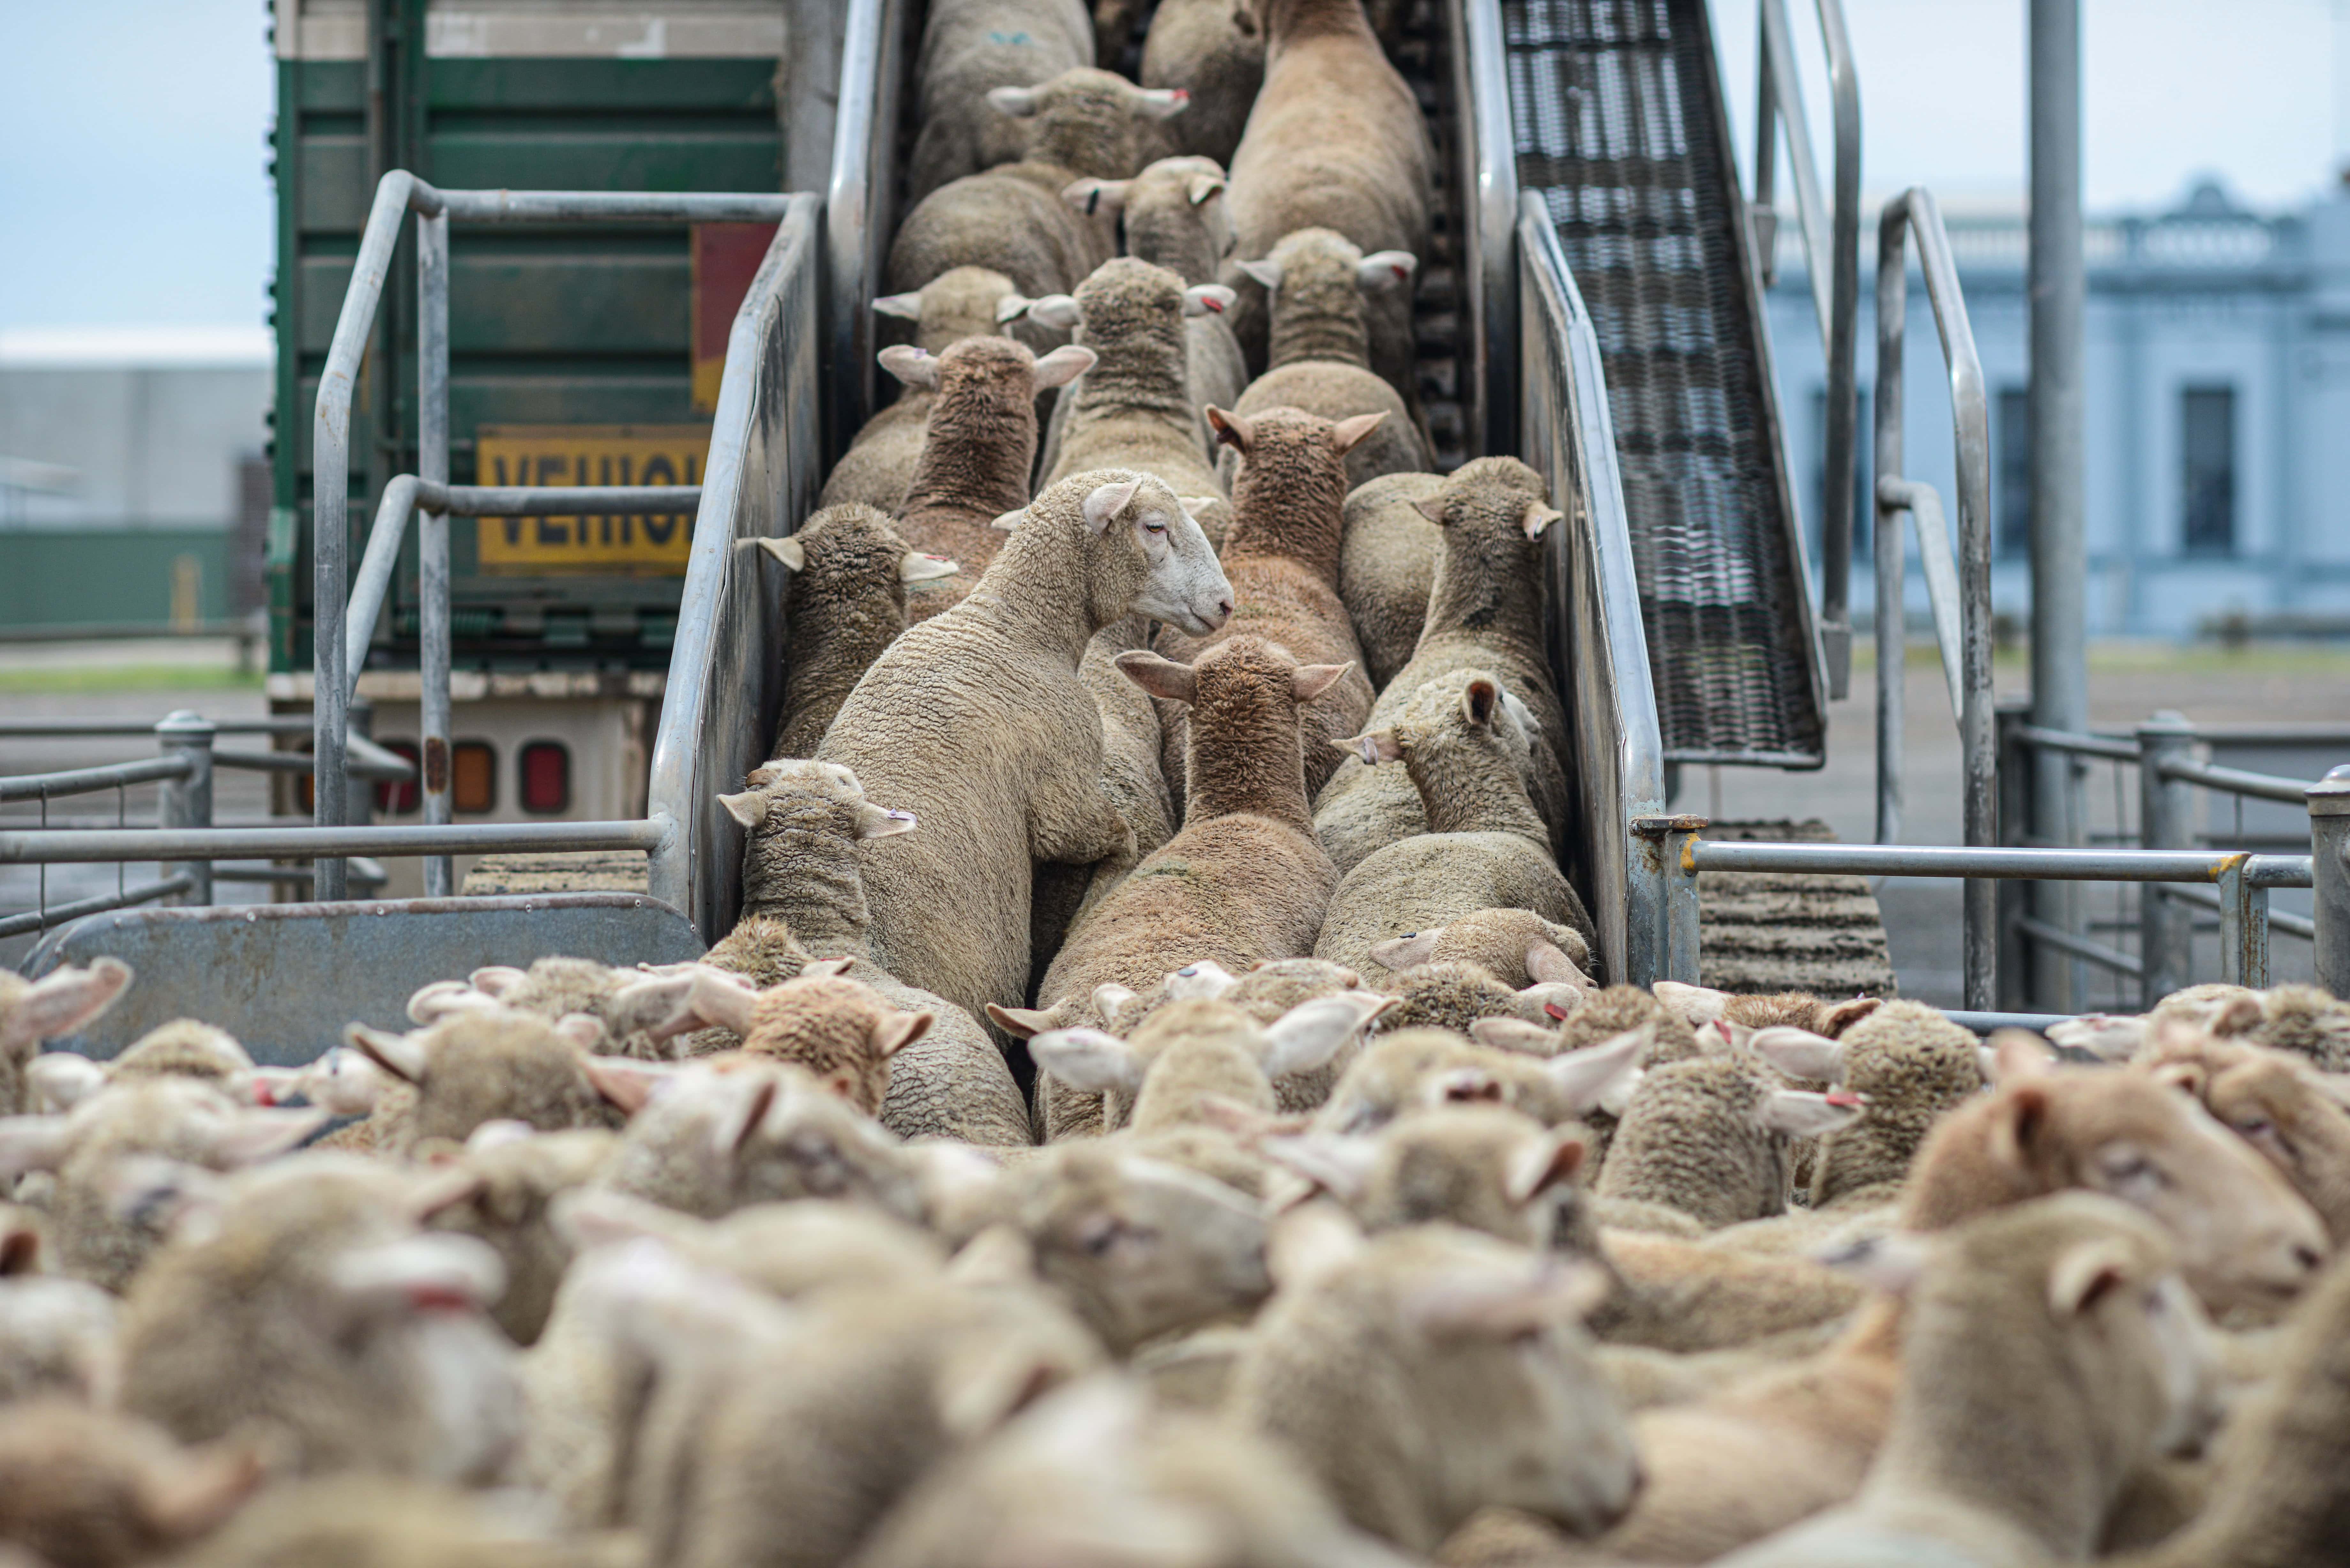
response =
{"points": [[976, 721], [57, 1003]]}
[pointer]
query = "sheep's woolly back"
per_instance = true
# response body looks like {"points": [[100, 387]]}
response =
{"points": [[763, 949], [1133, 317], [1498, 940], [183, 1048], [1317, 310], [1452, 996], [504, 1065], [847, 603], [1386, 566], [1911, 1064], [1455, 1164], [825, 1023], [2307, 1020], [1087, 122], [1165, 227], [1691, 1139], [1620, 1009], [959, 303]]}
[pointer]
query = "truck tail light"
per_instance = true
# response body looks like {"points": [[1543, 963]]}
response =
{"points": [[545, 777], [473, 776]]}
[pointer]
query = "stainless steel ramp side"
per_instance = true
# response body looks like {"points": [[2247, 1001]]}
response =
{"points": [[1620, 130]]}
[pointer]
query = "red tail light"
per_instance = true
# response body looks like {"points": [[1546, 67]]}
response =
{"points": [[545, 777]]}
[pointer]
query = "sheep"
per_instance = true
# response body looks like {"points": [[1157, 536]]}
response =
{"points": [[1485, 615], [57, 1339], [1092, 1473], [802, 1448], [1335, 140], [959, 303], [317, 1310], [1709, 1137], [1484, 1167], [381, 1521], [1322, 290], [1516, 946], [60, 1080], [501, 1189], [555, 989], [1265, 993], [1386, 566], [970, 47], [1207, 49], [1485, 847], [1423, 1374], [850, 572], [1699, 1004], [978, 446], [1245, 879], [2274, 1101], [1133, 409], [840, 1030], [1459, 997], [1011, 218], [804, 882], [1188, 1053], [171, 1117], [1415, 1068], [484, 1065], [1281, 553], [1909, 1066], [976, 721], [2063, 1326], [59, 1003], [2307, 1020], [99, 1490]]}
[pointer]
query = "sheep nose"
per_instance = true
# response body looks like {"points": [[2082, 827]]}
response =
{"points": [[1223, 610], [2307, 1258]]}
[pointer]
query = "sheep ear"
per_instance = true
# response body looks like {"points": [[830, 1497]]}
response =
{"points": [[1230, 428], [20, 1245], [666, 1001], [1160, 103], [1095, 198], [1309, 1241], [1266, 272], [1585, 1076], [1207, 978], [1110, 999], [1409, 949], [2188, 1077], [1385, 269], [1208, 299], [1557, 999], [1204, 186], [1540, 514], [1059, 311], [749, 808], [991, 1381], [431, 1271], [251, 1137], [452, 1185], [1019, 102], [720, 998], [1340, 1167], [1431, 507], [894, 1033], [342, 1081], [62, 1001], [915, 567], [1010, 519], [1348, 434], [1088, 1059], [1308, 681], [1311, 1033], [998, 1256], [201, 1488], [1844, 1015], [825, 969], [401, 1055], [746, 1112], [1105, 502], [1696, 1004], [1893, 1263], [432, 1003], [60, 1080], [905, 306], [496, 979], [1544, 1164], [2235, 1015], [787, 549], [1378, 746], [1022, 1023], [1160, 677], [1547, 964], [1800, 1053], [1515, 1034], [584, 1030], [911, 366], [31, 1143], [2018, 1053], [2084, 1275], [1479, 700], [1507, 1302], [879, 822], [1064, 365], [1799, 1113], [1011, 307], [623, 1083]]}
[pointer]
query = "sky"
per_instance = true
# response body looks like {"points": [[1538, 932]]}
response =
{"points": [[134, 191]]}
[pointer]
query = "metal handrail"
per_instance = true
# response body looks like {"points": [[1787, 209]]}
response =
{"points": [[1489, 182], [1831, 233], [2237, 781], [50, 915], [1601, 653], [1914, 211], [397, 194], [91, 780], [36, 847], [859, 199]]}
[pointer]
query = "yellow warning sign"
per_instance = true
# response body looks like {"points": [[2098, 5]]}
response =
{"points": [[570, 455]]}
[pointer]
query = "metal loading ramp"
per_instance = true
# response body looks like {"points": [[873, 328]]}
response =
{"points": [[1620, 129]]}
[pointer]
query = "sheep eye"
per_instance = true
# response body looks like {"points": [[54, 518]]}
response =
{"points": [[2254, 1126]]}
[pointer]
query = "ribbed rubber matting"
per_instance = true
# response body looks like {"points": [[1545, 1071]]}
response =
{"points": [[1616, 104]]}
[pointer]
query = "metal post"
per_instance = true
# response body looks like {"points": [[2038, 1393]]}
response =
{"points": [[1892, 629], [1762, 216], [432, 535], [2014, 832], [358, 802], [1844, 350], [2243, 926], [2166, 814], [187, 802], [2060, 689], [1665, 843], [2329, 864]]}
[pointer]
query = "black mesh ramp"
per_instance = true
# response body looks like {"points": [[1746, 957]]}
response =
{"points": [[1620, 127]]}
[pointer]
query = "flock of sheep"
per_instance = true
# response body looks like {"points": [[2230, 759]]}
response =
{"points": [[1333, 1213]]}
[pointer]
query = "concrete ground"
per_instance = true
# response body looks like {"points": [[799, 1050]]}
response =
{"points": [[144, 680]]}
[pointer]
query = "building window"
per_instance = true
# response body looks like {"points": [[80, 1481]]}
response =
{"points": [[2011, 452], [2206, 446], [1864, 443]]}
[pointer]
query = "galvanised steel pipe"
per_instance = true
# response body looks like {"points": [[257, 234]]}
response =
{"points": [[2329, 844], [2237, 781], [1993, 864], [53, 847], [432, 716], [89, 780]]}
